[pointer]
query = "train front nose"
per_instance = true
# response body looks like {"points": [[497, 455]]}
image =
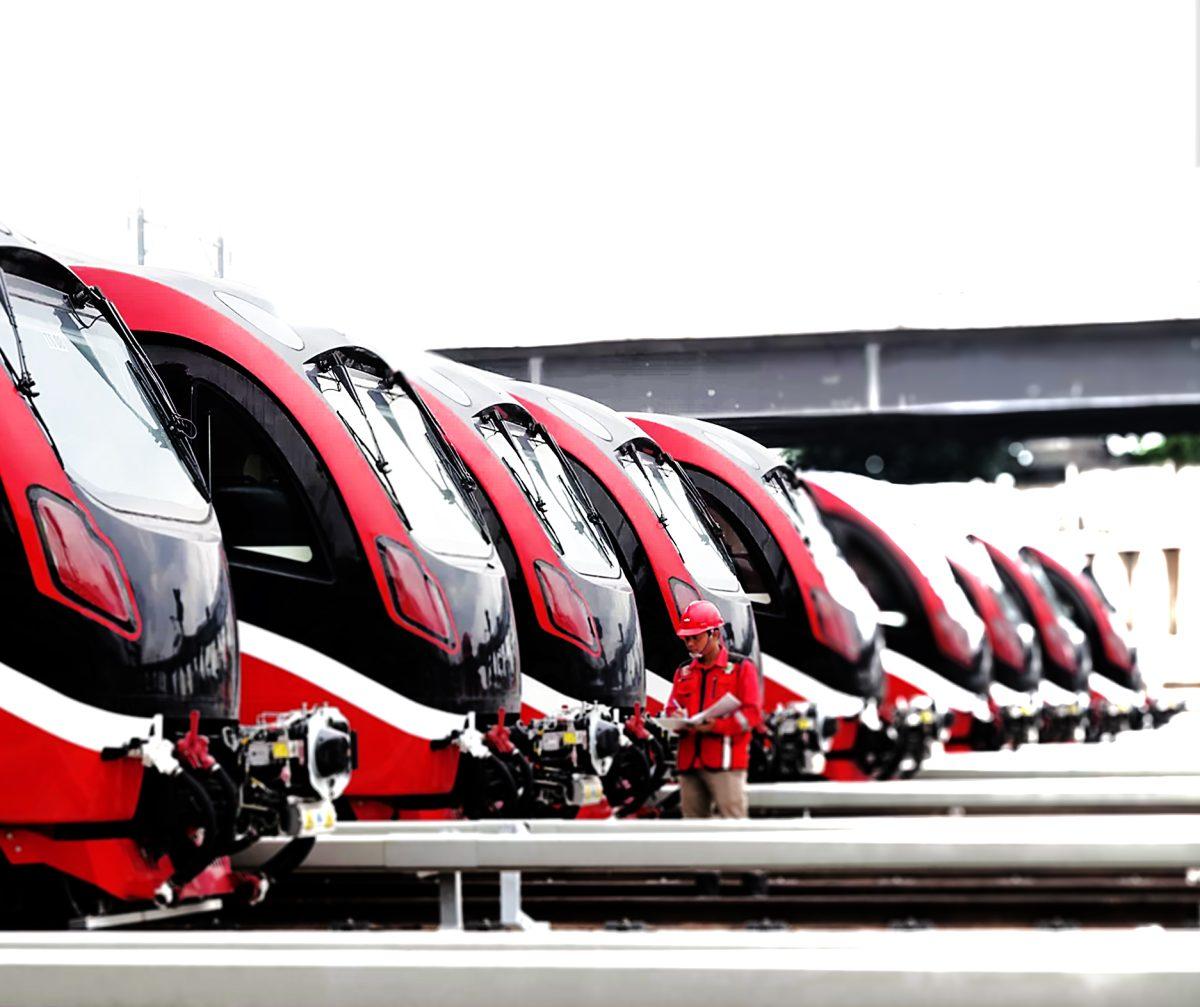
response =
{"points": [[184, 656], [631, 757], [614, 672], [474, 663], [597, 755], [469, 663], [212, 785]]}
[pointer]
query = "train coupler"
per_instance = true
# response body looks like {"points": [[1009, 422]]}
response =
{"points": [[572, 754], [793, 745], [896, 742]]}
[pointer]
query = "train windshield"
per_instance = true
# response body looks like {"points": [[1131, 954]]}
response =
{"points": [[841, 581], [407, 452], [974, 556], [1038, 572], [1091, 583], [677, 509], [552, 492], [110, 437], [933, 565]]}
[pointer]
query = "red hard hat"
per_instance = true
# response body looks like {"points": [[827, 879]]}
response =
{"points": [[699, 617]]}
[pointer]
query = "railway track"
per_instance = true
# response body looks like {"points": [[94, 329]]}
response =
{"points": [[1038, 870], [1086, 899]]}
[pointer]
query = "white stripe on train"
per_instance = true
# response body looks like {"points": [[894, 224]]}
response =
{"points": [[341, 681]]}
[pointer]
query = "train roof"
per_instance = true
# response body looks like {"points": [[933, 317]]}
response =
{"points": [[748, 452], [597, 420]]}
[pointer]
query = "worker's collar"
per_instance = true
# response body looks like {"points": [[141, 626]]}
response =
{"points": [[721, 658]]}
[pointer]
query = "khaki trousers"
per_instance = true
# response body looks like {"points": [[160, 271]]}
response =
{"points": [[703, 791]]}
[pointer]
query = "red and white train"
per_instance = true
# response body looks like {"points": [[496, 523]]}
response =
{"points": [[363, 574], [131, 779]]}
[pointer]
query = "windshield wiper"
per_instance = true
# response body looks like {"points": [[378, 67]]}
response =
{"points": [[441, 442], [180, 429], [708, 524], [534, 463], [498, 424], [333, 364], [437, 476], [157, 433], [21, 377], [787, 486], [383, 472], [701, 508], [442, 446], [537, 503], [631, 450], [590, 518], [582, 522], [603, 536], [536, 500]]}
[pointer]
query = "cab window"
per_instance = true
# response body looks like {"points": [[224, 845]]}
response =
{"points": [[264, 519]]}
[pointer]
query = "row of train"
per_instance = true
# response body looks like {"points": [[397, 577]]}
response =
{"points": [[455, 594]]}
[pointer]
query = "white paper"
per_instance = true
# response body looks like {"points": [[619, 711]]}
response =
{"points": [[672, 723], [723, 707]]}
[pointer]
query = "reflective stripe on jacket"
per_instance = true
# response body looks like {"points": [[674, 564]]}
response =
{"points": [[727, 744]]}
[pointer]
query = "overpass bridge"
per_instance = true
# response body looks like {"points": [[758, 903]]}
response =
{"points": [[894, 384]]}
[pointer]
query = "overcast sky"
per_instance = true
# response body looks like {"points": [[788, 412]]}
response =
{"points": [[493, 173]]}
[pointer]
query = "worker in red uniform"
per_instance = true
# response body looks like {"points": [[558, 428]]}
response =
{"points": [[714, 754]]}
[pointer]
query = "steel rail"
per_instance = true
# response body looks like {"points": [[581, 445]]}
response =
{"points": [[986, 794], [860, 968], [902, 845], [987, 791], [921, 844], [658, 898], [1133, 824]]}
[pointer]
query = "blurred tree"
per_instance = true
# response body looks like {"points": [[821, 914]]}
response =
{"points": [[1182, 449], [941, 460]]}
